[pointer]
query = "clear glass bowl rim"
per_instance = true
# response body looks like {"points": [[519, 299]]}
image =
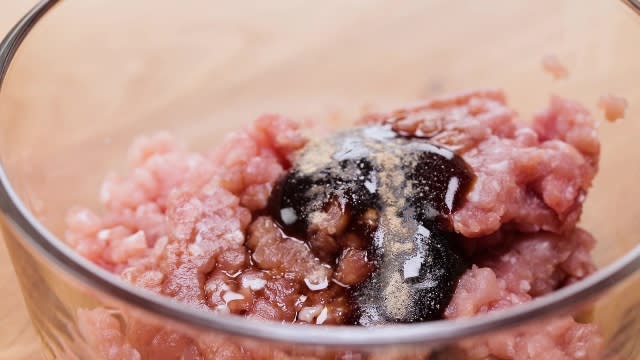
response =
{"points": [[47, 247]]}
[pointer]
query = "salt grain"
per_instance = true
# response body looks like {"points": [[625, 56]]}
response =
{"points": [[288, 215]]}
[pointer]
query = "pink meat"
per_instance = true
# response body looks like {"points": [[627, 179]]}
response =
{"points": [[614, 106], [104, 337], [552, 65], [531, 178], [533, 265], [187, 225]]}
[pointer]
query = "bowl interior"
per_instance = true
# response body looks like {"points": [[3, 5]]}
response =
{"points": [[82, 88]]}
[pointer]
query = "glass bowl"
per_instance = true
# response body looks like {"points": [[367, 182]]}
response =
{"points": [[94, 74]]}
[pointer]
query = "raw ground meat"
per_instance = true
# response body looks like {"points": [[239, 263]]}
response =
{"points": [[552, 65], [190, 226], [614, 106], [531, 265], [528, 177], [103, 334]]}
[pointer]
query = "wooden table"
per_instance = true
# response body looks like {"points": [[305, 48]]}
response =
{"points": [[17, 338]]}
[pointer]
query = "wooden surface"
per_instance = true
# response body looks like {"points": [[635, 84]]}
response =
{"points": [[250, 76], [18, 340]]}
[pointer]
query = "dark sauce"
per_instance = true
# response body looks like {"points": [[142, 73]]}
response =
{"points": [[411, 186]]}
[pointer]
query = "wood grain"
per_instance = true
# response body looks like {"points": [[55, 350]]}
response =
{"points": [[228, 76]]}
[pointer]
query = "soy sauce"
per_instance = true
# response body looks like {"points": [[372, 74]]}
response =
{"points": [[412, 186]]}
